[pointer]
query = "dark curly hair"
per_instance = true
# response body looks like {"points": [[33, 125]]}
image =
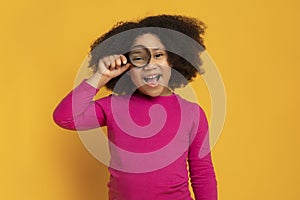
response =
{"points": [[182, 37]]}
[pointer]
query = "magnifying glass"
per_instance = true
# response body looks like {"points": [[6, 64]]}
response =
{"points": [[139, 56]]}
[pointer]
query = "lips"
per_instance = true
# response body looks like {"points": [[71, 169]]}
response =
{"points": [[152, 80]]}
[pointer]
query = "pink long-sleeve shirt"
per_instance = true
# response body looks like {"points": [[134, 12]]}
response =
{"points": [[153, 142]]}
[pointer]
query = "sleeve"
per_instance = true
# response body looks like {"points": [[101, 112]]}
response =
{"points": [[203, 179], [78, 111]]}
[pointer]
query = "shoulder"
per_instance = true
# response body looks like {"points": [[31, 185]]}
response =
{"points": [[112, 99], [190, 105], [104, 99], [195, 113]]}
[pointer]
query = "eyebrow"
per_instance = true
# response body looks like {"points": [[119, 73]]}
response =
{"points": [[133, 52], [141, 46], [138, 47], [156, 49]]}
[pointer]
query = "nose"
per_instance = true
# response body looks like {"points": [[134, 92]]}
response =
{"points": [[151, 65]]}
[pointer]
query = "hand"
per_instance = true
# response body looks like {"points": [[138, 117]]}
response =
{"points": [[112, 66], [108, 68]]}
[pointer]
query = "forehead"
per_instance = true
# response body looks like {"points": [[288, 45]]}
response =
{"points": [[148, 40]]}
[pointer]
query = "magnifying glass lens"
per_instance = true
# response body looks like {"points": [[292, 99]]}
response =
{"points": [[139, 57]]}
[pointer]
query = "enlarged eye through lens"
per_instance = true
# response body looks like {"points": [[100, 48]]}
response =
{"points": [[139, 56]]}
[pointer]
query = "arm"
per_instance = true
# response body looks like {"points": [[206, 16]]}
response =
{"points": [[78, 111], [202, 173]]}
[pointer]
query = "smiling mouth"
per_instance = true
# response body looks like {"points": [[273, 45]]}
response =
{"points": [[152, 80]]}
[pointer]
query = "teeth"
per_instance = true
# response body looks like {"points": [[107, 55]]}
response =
{"points": [[154, 76], [153, 79]]}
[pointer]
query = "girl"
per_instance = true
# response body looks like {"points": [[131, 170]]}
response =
{"points": [[153, 133]]}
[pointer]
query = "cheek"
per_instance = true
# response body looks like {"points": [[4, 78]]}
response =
{"points": [[135, 78], [168, 72]]}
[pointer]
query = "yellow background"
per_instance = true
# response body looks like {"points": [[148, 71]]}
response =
{"points": [[255, 45]]}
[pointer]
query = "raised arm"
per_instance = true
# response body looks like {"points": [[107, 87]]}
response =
{"points": [[201, 168], [78, 111]]}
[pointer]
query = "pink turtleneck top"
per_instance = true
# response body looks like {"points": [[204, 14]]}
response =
{"points": [[153, 141]]}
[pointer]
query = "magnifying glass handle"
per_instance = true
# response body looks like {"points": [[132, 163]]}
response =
{"points": [[127, 57]]}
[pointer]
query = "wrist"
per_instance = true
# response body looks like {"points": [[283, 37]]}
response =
{"points": [[98, 80]]}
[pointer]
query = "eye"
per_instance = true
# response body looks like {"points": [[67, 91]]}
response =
{"points": [[159, 55], [137, 58]]}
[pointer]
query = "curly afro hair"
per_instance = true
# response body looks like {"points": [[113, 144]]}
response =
{"points": [[182, 37]]}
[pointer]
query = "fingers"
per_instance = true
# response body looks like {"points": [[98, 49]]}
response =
{"points": [[113, 65], [114, 61], [120, 70], [124, 59], [125, 67]]}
